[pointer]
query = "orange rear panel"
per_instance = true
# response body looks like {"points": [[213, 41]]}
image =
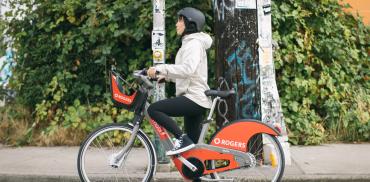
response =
{"points": [[236, 135]]}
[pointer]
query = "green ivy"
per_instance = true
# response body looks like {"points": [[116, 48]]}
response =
{"points": [[64, 50], [323, 71], [2, 31]]}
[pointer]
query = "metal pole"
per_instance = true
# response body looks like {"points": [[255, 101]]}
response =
{"points": [[271, 107], [159, 47], [270, 102]]}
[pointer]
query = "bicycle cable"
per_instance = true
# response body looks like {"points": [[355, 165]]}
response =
{"points": [[223, 114], [223, 81]]}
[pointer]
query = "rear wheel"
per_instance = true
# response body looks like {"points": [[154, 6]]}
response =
{"points": [[269, 161], [98, 148]]}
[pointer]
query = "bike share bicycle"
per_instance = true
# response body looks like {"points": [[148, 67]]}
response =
{"points": [[243, 149]]}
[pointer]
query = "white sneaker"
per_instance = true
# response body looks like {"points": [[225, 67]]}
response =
{"points": [[181, 145]]}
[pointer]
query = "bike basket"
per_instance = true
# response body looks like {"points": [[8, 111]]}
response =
{"points": [[123, 94]]}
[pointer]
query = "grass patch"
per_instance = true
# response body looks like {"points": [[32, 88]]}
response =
{"points": [[16, 130]]}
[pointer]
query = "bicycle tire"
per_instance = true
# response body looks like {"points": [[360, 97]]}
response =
{"points": [[259, 168], [97, 172]]}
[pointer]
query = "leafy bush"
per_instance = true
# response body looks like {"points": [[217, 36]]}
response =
{"points": [[65, 50], [2, 31], [323, 71]]}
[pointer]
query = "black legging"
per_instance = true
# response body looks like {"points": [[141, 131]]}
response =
{"points": [[163, 110]]}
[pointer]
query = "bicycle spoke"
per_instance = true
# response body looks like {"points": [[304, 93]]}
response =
{"points": [[136, 165], [255, 141], [114, 149], [259, 151], [102, 148], [129, 179], [265, 170], [116, 175]]}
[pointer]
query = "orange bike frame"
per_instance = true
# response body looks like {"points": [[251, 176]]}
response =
{"points": [[229, 141]]}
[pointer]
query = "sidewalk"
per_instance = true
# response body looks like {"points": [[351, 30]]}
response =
{"points": [[332, 162]]}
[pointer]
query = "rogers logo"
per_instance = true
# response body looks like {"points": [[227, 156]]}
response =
{"points": [[231, 143], [122, 98], [158, 128]]}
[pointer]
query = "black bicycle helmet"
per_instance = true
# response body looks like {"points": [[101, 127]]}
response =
{"points": [[194, 16]]}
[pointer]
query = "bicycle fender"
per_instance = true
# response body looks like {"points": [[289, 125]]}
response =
{"points": [[237, 134]]}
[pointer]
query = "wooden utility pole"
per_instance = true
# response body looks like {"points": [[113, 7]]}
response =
{"points": [[237, 56], [244, 56]]}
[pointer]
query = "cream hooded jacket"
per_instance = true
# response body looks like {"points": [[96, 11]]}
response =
{"points": [[190, 71]]}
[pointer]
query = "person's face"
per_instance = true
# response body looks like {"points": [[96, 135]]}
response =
{"points": [[180, 26]]}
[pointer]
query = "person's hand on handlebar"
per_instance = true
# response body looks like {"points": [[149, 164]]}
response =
{"points": [[152, 72]]}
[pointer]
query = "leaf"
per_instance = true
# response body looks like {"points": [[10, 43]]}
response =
{"points": [[321, 65], [71, 19], [294, 106]]}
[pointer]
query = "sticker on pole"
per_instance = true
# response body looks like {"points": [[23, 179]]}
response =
{"points": [[158, 56], [245, 4], [158, 40], [158, 6]]}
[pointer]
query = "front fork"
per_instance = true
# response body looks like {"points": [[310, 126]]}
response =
{"points": [[116, 159]]}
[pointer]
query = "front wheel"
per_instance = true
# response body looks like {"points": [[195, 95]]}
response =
{"points": [[268, 165], [95, 155]]}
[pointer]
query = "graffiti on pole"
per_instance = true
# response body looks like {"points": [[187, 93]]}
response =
{"points": [[237, 55], [240, 62], [220, 7], [6, 63]]}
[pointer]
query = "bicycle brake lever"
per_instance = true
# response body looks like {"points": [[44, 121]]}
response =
{"points": [[144, 72]]}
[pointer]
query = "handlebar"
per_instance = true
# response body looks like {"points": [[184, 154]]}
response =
{"points": [[143, 77]]}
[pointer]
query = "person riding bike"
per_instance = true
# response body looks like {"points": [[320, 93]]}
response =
{"points": [[190, 73]]}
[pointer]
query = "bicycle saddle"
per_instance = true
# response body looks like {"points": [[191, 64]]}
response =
{"points": [[222, 94]]}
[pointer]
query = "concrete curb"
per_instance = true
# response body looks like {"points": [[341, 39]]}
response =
{"points": [[164, 177], [37, 178], [325, 178], [333, 162]]}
